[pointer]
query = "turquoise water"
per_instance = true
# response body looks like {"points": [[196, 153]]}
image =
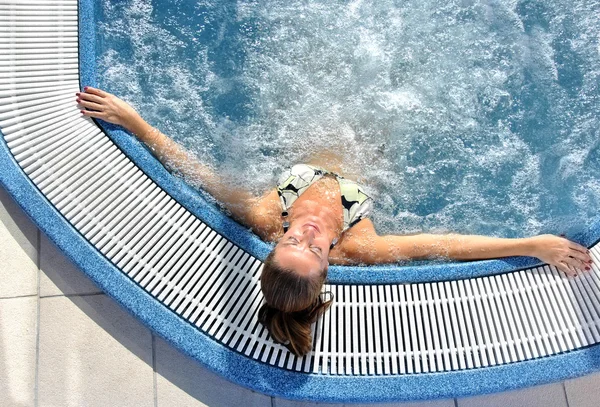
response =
{"points": [[474, 117]]}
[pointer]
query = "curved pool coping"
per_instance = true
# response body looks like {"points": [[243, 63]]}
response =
{"points": [[251, 373], [260, 376]]}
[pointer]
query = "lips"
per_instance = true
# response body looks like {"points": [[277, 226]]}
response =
{"points": [[314, 226]]}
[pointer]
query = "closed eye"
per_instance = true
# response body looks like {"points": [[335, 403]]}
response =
{"points": [[317, 251], [292, 241]]}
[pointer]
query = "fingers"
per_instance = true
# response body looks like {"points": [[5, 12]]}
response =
{"points": [[575, 263], [90, 113], [94, 102], [568, 269], [565, 269], [94, 91], [569, 257], [89, 97], [574, 245], [573, 270], [572, 266], [581, 254], [578, 247], [91, 105], [583, 257]]}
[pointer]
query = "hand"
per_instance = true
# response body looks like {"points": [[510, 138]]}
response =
{"points": [[567, 256], [105, 106]]}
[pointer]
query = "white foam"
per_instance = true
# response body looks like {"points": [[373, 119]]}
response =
{"points": [[472, 106]]}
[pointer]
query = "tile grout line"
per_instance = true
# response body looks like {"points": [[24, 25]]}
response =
{"points": [[73, 295], [37, 328], [19, 296], [154, 369], [564, 386]]}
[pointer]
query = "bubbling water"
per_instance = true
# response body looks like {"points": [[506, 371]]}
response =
{"points": [[473, 117]]}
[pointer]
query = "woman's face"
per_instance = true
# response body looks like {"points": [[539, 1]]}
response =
{"points": [[304, 248]]}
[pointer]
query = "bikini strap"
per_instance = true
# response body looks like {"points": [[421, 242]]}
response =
{"points": [[335, 240], [284, 214], [286, 225]]}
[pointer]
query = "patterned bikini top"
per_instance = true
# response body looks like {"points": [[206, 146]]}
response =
{"points": [[294, 181]]}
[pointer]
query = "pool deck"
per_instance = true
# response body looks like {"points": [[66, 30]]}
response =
{"points": [[65, 343]]}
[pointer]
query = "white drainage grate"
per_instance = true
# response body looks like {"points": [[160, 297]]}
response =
{"points": [[206, 280]]}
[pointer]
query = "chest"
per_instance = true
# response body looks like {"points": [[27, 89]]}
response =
{"points": [[325, 191], [323, 198]]}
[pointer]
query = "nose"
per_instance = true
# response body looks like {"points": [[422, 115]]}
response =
{"points": [[310, 234]]}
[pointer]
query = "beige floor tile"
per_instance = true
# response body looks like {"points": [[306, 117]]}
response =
{"points": [[18, 250], [549, 395], [183, 382], [277, 402], [93, 353], [58, 275], [292, 403], [433, 403], [584, 391], [18, 319]]}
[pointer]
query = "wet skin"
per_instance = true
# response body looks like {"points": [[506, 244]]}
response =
{"points": [[304, 247], [316, 219], [316, 216]]}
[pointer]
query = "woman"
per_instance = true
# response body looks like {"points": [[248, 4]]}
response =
{"points": [[319, 218]]}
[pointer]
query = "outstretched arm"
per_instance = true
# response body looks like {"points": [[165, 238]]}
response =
{"points": [[105, 106], [368, 247]]}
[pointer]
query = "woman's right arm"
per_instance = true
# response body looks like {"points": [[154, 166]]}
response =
{"points": [[102, 105]]}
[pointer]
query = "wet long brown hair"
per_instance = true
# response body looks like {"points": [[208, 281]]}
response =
{"points": [[293, 303]]}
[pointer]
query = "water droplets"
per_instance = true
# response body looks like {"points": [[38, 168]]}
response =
{"points": [[463, 116]]}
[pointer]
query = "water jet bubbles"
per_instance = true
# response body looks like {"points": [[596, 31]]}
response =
{"points": [[461, 96]]}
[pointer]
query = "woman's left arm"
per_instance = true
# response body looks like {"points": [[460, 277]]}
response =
{"points": [[368, 247]]}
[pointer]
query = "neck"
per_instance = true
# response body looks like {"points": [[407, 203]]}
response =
{"points": [[310, 211]]}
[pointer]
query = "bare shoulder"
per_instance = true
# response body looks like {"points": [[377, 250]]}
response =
{"points": [[355, 244], [265, 216]]}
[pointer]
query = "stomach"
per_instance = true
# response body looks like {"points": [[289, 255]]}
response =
{"points": [[472, 117]]}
